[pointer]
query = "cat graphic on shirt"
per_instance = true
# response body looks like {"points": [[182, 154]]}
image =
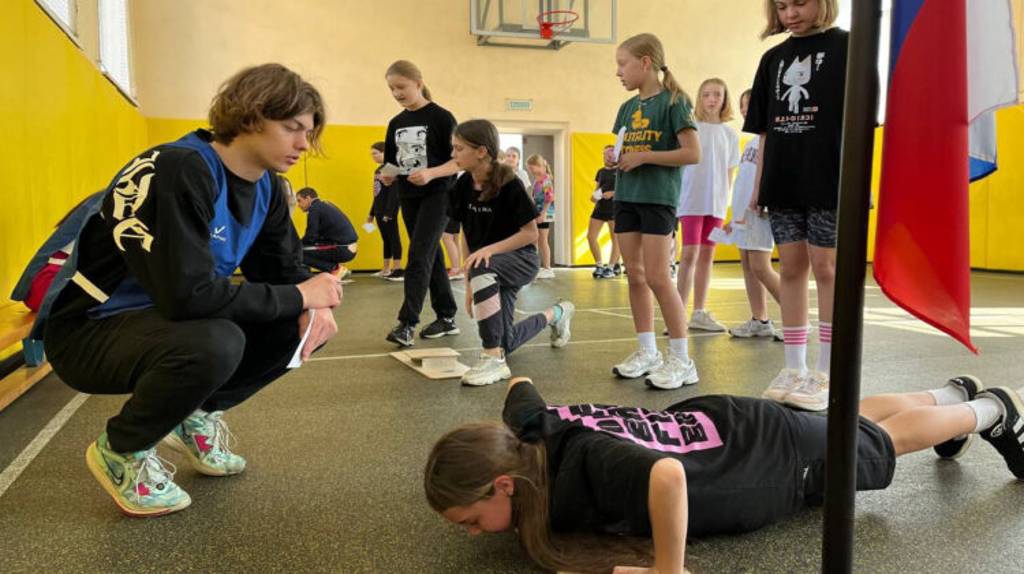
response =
{"points": [[797, 75], [412, 148]]}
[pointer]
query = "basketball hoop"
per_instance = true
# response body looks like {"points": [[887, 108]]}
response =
{"points": [[555, 22]]}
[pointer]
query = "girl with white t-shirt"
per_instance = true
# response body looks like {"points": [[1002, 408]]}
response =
{"points": [[704, 198], [759, 278]]}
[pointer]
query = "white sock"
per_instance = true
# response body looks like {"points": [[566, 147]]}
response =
{"points": [[948, 395], [824, 346], [987, 412], [677, 347], [647, 343], [795, 343]]}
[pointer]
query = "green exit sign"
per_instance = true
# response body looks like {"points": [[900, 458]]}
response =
{"points": [[519, 105]]}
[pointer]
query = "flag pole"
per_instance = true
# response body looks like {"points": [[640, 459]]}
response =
{"points": [[861, 106]]}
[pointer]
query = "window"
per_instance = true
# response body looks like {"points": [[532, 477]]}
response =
{"points": [[62, 12], [845, 14], [115, 60]]}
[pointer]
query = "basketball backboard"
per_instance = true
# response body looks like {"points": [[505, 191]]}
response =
{"points": [[527, 23]]}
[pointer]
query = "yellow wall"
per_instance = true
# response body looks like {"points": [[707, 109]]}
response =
{"points": [[67, 130]]}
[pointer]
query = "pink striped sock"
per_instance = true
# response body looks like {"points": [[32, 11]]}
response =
{"points": [[795, 339]]}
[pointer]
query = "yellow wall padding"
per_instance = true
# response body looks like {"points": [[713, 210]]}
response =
{"points": [[67, 131]]}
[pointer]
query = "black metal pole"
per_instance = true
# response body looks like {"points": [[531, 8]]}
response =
{"points": [[859, 115]]}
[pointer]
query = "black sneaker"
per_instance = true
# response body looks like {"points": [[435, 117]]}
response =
{"points": [[956, 447], [397, 275], [607, 273], [1007, 435], [402, 335], [598, 272], [439, 328], [618, 269]]}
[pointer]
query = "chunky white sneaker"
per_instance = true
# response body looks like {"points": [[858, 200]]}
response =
{"points": [[812, 395], [784, 383], [703, 321], [753, 328], [673, 374], [546, 273], [638, 364], [487, 371], [560, 332]]}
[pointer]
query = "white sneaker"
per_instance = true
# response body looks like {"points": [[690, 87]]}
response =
{"points": [[812, 395], [778, 336], [673, 374], [703, 321], [753, 328], [560, 329], [784, 383], [638, 364], [546, 273], [487, 371]]}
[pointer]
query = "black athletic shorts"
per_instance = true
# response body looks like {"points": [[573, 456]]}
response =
{"points": [[813, 225], [545, 225], [876, 456], [603, 210], [646, 218]]}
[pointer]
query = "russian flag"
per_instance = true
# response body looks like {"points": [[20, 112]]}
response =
{"points": [[952, 64]]}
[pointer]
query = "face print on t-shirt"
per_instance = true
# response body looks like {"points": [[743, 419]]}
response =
{"points": [[412, 148]]}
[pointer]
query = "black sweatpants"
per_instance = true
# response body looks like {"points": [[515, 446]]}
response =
{"points": [[327, 259], [494, 299], [392, 240], [170, 368], [425, 219]]}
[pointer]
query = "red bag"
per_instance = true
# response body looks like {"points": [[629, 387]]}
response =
{"points": [[41, 282]]}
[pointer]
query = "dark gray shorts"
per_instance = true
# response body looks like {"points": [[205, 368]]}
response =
{"points": [[814, 225]]}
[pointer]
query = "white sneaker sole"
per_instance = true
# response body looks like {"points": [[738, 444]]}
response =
{"points": [[686, 382], [625, 375], [806, 403], [125, 507], [483, 382]]}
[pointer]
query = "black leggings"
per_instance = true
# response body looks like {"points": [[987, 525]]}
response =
{"points": [[392, 240], [425, 219], [170, 368]]}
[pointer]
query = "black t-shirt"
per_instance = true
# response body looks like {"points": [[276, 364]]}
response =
{"points": [[797, 101], [177, 268], [418, 140], [487, 222], [742, 470], [605, 179]]}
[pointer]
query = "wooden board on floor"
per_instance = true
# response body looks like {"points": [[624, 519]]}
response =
{"points": [[442, 363]]}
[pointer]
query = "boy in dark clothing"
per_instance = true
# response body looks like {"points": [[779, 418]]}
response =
{"points": [[330, 239]]}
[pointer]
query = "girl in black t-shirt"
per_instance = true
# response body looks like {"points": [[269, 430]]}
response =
{"points": [[418, 143], [796, 107], [603, 213], [709, 465], [499, 229]]}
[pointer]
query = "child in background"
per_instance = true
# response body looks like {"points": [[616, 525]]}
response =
{"points": [[419, 143], [704, 198], [385, 212], [500, 229], [759, 278], [796, 106], [659, 137], [604, 213], [544, 198], [511, 158]]}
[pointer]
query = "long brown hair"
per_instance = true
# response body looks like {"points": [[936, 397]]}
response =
{"points": [[725, 112], [267, 92], [649, 45], [408, 70], [461, 470], [828, 11], [483, 134]]}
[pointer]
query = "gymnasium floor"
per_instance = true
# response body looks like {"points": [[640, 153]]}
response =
{"points": [[336, 449]]}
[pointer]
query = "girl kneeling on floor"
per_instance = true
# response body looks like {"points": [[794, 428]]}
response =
{"points": [[499, 231]]}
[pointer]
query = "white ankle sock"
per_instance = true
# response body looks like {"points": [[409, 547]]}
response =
{"points": [[987, 412], [677, 347], [795, 343], [824, 346], [647, 342], [948, 395]]}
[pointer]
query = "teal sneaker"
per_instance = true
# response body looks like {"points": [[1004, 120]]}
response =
{"points": [[205, 439], [138, 482]]}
